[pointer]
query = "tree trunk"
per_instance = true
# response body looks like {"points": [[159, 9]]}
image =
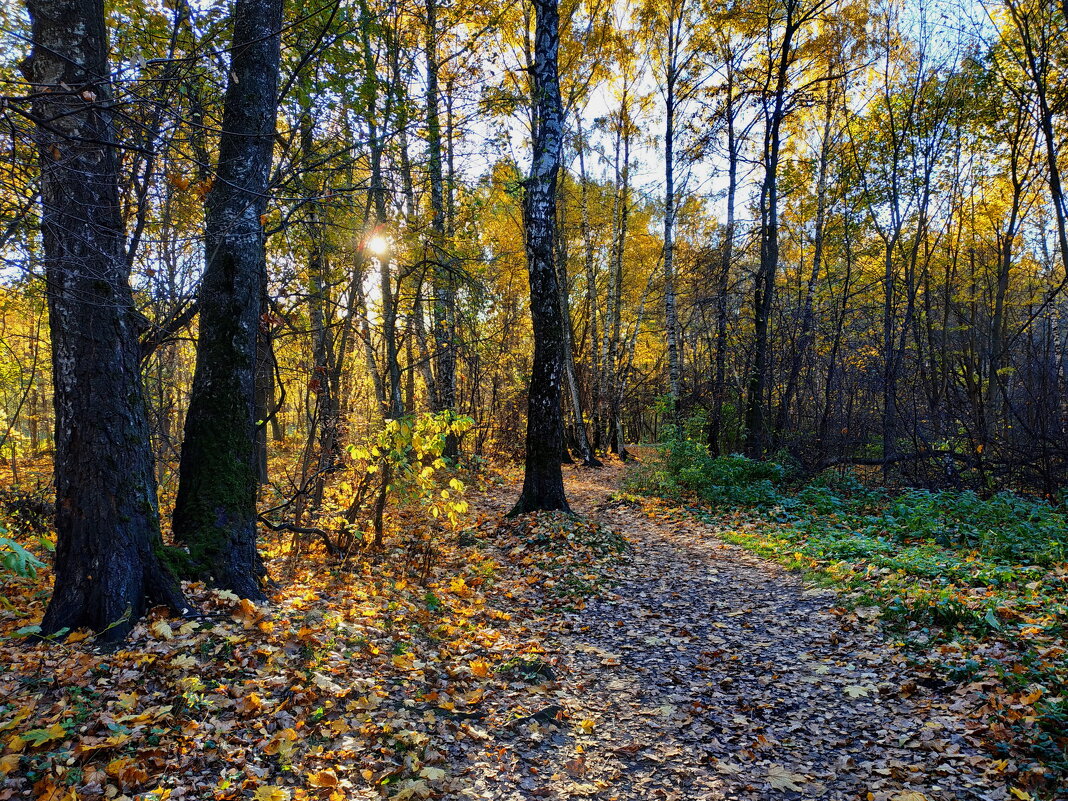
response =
{"points": [[715, 419], [671, 315], [444, 306], [591, 284], [543, 483], [808, 317], [582, 441], [764, 287], [215, 511], [108, 569]]}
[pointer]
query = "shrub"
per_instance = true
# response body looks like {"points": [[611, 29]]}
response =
{"points": [[684, 467]]}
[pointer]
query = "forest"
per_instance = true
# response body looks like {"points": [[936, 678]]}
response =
{"points": [[616, 399]]}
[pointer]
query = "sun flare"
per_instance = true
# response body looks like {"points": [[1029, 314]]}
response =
{"points": [[378, 245]]}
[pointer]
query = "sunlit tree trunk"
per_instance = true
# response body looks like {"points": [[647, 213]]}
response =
{"points": [[590, 269]]}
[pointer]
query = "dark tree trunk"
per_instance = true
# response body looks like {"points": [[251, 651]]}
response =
{"points": [[756, 424], [215, 512], [715, 420], [443, 395], [543, 483], [107, 570]]}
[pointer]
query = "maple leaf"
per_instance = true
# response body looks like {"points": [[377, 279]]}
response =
{"points": [[162, 629], [38, 737], [781, 779], [576, 768], [415, 789], [856, 690], [247, 613]]}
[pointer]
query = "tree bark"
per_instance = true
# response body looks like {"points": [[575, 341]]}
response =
{"points": [[764, 285], [543, 484], [715, 420], [108, 568], [444, 305], [671, 316], [215, 511]]}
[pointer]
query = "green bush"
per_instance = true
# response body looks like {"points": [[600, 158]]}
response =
{"points": [[683, 467]]}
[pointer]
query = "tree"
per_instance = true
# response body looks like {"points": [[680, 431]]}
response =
{"points": [[543, 483], [215, 512], [444, 305], [108, 569]]}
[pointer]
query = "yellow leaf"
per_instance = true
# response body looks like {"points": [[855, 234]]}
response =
{"points": [[323, 778], [481, 668], [250, 704], [281, 743], [1023, 795], [8, 762], [587, 726], [162, 630], [1031, 697], [247, 613], [268, 792]]}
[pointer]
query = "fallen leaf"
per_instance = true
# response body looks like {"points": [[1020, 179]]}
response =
{"points": [[781, 779]]}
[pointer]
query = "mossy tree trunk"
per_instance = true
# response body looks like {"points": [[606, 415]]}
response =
{"points": [[215, 511], [543, 483], [107, 570]]}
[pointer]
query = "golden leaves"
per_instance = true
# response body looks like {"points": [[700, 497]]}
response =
{"points": [[8, 763], [323, 779], [268, 792], [127, 772], [282, 743]]}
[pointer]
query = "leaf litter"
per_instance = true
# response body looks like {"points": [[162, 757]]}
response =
{"points": [[612, 656]]}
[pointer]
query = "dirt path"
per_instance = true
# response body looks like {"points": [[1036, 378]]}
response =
{"points": [[709, 673]]}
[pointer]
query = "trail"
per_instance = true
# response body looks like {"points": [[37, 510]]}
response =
{"points": [[709, 673]]}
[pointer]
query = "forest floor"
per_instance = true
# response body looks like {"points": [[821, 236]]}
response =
{"points": [[630, 654], [709, 673]]}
